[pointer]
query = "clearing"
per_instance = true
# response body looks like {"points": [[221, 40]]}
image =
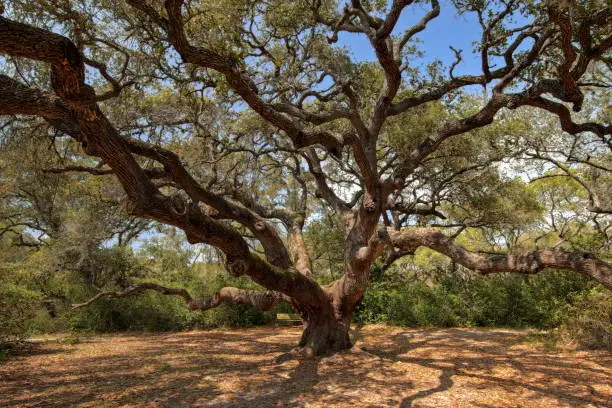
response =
{"points": [[240, 368]]}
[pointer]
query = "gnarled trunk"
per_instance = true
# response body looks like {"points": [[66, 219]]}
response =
{"points": [[326, 329], [324, 333]]}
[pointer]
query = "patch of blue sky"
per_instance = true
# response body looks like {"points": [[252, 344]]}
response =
{"points": [[450, 29]]}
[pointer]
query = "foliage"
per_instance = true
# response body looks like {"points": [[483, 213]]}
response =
{"points": [[588, 321], [452, 299], [18, 307], [325, 242]]}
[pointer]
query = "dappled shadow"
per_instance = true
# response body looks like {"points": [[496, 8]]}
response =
{"points": [[445, 383], [239, 368], [500, 363], [300, 380]]}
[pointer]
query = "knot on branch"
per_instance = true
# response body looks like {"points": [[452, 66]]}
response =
{"points": [[238, 267], [260, 225], [178, 205], [369, 203]]}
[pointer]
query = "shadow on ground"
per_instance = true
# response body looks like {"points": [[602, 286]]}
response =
{"points": [[237, 368]]}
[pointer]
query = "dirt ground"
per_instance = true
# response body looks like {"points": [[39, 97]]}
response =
{"points": [[246, 368]]}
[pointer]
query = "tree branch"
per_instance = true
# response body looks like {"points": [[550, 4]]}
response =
{"points": [[259, 300], [301, 136], [99, 138], [526, 263], [17, 98]]}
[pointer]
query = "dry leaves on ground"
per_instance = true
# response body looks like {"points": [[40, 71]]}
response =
{"points": [[238, 368]]}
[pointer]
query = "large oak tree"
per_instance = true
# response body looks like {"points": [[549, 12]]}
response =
{"points": [[240, 122]]}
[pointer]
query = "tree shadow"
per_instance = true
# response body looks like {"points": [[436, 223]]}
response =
{"points": [[494, 351], [446, 383], [240, 368], [301, 380]]}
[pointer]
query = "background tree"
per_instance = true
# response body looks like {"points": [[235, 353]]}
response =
{"points": [[241, 122]]}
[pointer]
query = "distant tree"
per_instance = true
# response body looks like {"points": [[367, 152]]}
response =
{"points": [[242, 123]]}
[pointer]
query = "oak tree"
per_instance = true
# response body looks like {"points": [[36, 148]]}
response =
{"points": [[242, 123]]}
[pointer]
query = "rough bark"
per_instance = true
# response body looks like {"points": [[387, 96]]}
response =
{"points": [[324, 333], [259, 300], [525, 263]]}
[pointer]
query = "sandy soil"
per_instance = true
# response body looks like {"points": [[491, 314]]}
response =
{"points": [[241, 368]]}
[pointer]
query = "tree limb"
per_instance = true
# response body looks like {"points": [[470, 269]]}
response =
{"points": [[526, 263], [259, 300]]}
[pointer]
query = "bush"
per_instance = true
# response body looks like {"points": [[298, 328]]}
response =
{"points": [[412, 305], [453, 299], [18, 306], [588, 322]]}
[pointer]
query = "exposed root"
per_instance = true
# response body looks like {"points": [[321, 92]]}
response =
{"points": [[297, 353]]}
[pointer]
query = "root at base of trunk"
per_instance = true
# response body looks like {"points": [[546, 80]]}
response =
{"points": [[324, 337]]}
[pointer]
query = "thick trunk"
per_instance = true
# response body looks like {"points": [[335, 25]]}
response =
{"points": [[325, 333]]}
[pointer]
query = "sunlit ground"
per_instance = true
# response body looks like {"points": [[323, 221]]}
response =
{"points": [[237, 368]]}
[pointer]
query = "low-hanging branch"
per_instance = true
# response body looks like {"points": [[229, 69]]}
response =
{"points": [[257, 299], [525, 263]]}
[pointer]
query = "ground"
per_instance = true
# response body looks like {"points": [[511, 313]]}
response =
{"points": [[393, 367]]}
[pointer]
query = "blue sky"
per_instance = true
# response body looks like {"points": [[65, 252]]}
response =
{"points": [[448, 29]]}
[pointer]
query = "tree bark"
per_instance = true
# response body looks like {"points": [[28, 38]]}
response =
{"points": [[324, 334], [327, 330]]}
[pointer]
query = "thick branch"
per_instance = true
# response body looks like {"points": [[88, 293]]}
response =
{"points": [[526, 263], [259, 226], [17, 98], [99, 138], [21, 40], [259, 300]]}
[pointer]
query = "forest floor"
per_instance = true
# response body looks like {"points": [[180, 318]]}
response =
{"points": [[240, 368]]}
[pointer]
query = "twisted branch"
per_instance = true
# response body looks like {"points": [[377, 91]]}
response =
{"points": [[259, 300]]}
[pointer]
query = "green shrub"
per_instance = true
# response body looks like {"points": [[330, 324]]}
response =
{"points": [[588, 322], [18, 306], [508, 300], [412, 305]]}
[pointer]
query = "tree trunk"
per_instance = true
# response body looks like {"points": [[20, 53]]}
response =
{"points": [[325, 333]]}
